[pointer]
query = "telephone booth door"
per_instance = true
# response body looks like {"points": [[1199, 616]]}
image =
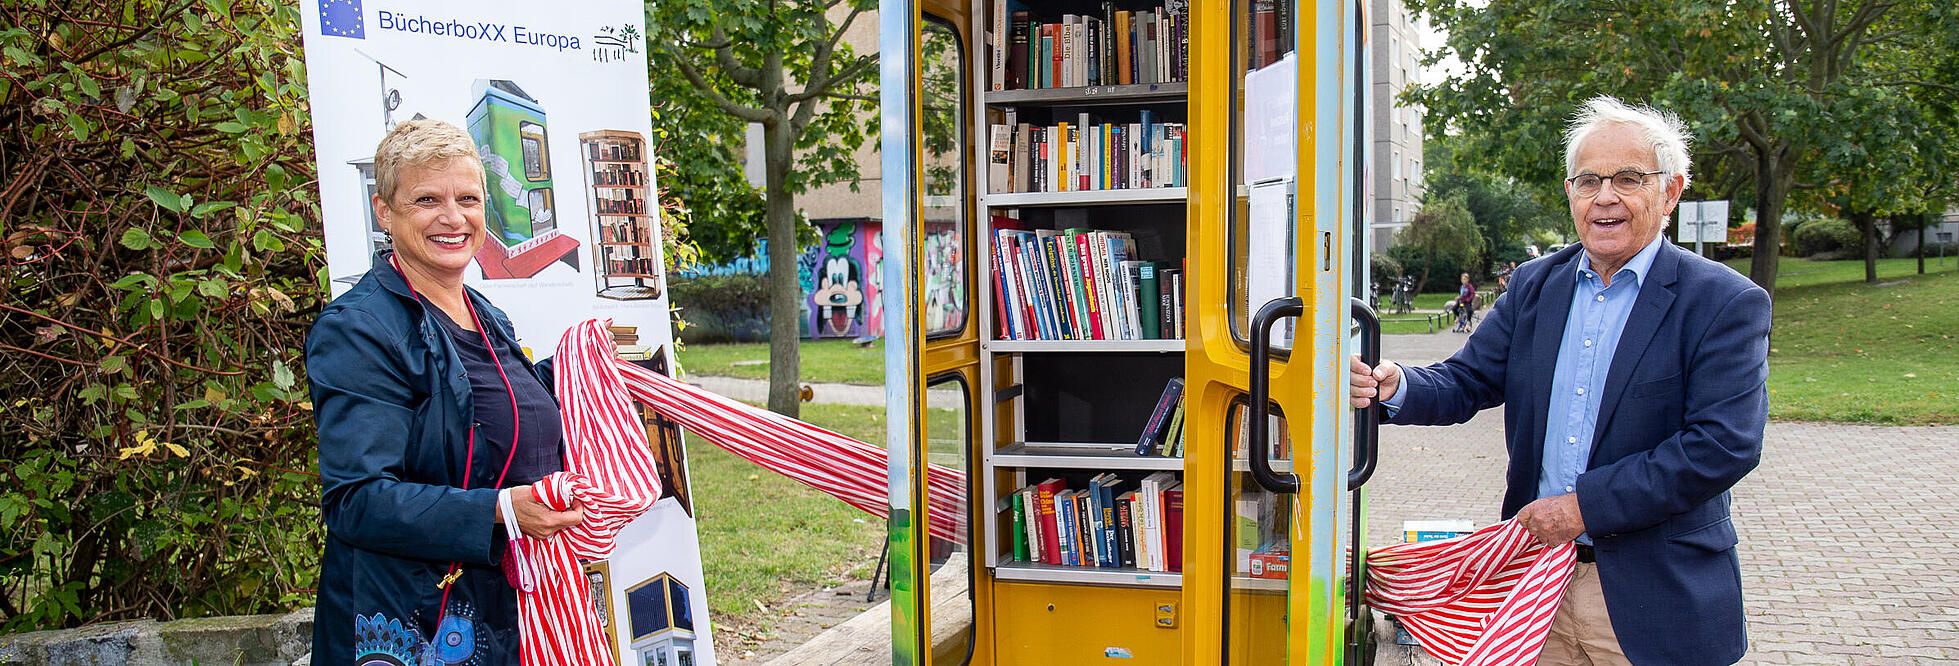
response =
{"points": [[931, 331], [1279, 89]]}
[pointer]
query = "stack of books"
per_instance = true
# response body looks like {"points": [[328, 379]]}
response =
{"points": [[625, 339], [1111, 522], [1146, 44], [1091, 153], [1082, 284]]}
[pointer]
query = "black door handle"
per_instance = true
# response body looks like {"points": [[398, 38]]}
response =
{"points": [[1278, 308], [1367, 420]]}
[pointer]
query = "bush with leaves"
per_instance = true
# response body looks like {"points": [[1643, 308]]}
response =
{"points": [[1825, 236], [723, 308], [161, 264]]}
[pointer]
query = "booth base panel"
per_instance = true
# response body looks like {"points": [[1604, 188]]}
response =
{"points": [[1080, 624]]}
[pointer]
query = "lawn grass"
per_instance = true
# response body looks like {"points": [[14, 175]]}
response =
{"points": [[829, 360], [765, 537], [1844, 350]]}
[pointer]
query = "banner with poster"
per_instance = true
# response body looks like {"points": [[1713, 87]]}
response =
{"points": [[555, 96]]}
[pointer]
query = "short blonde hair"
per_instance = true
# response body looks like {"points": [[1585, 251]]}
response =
{"points": [[418, 143]]}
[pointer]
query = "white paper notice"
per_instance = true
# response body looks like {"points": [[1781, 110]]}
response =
{"points": [[1268, 271], [1271, 121]]}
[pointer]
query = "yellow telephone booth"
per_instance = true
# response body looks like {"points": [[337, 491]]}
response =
{"points": [[1123, 240]]}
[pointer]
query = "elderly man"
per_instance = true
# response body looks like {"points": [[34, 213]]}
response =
{"points": [[1632, 374]]}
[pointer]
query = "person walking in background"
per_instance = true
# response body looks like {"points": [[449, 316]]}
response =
{"points": [[432, 424], [1465, 304], [1633, 378]]}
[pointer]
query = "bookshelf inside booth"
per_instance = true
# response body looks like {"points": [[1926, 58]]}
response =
{"points": [[1085, 186], [624, 241]]}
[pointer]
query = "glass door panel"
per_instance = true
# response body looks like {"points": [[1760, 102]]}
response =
{"points": [[1264, 230], [948, 443]]}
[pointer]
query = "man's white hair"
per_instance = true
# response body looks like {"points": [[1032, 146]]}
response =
{"points": [[1663, 130]]}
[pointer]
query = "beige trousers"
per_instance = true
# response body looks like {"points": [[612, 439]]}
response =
{"points": [[1581, 633]]}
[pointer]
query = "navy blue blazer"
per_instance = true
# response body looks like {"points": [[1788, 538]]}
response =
{"points": [[1679, 424]]}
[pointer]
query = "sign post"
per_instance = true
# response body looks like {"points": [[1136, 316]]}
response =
{"points": [[1701, 221]]}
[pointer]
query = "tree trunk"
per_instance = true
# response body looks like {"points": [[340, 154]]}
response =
{"points": [[1867, 227], [1924, 225], [1773, 170], [785, 290]]}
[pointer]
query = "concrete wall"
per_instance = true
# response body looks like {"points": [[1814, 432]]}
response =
{"points": [[245, 640]]}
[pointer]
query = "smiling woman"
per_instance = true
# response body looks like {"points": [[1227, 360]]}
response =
{"points": [[432, 425]]}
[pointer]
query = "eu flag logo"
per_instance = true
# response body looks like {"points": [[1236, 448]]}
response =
{"points": [[342, 18]]}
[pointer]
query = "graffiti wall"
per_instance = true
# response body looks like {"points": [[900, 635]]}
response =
{"points": [[838, 276], [842, 279]]}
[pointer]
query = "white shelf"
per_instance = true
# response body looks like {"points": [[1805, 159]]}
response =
{"points": [[1134, 93], [1006, 346], [1080, 455], [1140, 195], [1259, 584], [1280, 466], [1052, 573]]}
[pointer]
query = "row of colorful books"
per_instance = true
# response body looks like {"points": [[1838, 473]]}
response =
{"points": [[1279, 446], [1085, 155], [1082, 284], [1114, 522], [1119, 47]]}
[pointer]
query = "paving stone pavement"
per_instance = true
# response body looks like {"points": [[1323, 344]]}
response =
{"points": [[1846, 548]]}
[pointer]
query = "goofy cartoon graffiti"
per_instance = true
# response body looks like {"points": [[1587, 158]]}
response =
{"points": [[838, 293]]}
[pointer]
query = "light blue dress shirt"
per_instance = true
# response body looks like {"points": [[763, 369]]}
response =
{"points": [[1591, 335]]}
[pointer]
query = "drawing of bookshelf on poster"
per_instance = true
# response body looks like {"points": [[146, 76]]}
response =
{"points": [[1085, 244], [624, 245]]}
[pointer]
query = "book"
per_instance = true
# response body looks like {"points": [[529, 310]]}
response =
{"points": [[1173, 528], [1126, 527], [1017, 50], [1273, 559], [1085, 542], [1148, 298], [1173, 438], [1050, 519], [1166, 302], [1152, 437], [1065, 522], [1105, 495], [1032, 519], [1019, 510], [999, 154]]}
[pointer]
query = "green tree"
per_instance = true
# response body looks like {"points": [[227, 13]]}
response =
{"points": [[160, 260], [1443, 230], [1753, 78], [786, 66], [1506, 212]]}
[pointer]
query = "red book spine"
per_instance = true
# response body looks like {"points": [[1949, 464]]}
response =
{"points": [[1089, 285], [1050, 529], [1173, 528]]}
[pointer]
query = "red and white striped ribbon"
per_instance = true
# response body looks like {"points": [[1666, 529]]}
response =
{"points": [[1484, 599], [842, 467], [610, 471]]}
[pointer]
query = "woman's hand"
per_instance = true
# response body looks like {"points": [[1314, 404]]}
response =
{"points": [[536, 519]]}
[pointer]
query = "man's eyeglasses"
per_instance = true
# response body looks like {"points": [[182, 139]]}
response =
{"points": [[1625, 182]]}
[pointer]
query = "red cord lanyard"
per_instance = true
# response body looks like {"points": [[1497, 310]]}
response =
{"points": [[516, 421]]}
